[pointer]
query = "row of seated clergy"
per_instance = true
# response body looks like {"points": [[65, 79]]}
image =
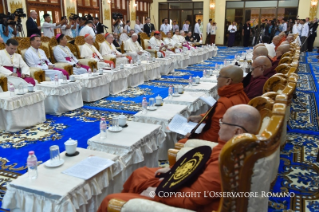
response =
{"points": [[237, 120], [231, 92], [88, 51], [134, 49]]}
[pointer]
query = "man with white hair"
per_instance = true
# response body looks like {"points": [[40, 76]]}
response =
{"points": [[178, 38], [170, 42], [109, 51], [133, 48], [32, 27], [87, 29], [137, 27], [88, 51]]}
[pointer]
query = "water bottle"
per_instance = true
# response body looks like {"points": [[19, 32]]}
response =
{"points": [[11, 89], [190, 80], [112, 67], [204, 73], [225, 61], [89, 72], [144, 105], [56, 79], [32, 163], [103, 129], [170, 90]]}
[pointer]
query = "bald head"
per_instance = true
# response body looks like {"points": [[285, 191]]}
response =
{"points": [[284, 42], [290, 38], [260, 64], [282, 49], [276, 40], [246, 117], [260, 51], [229, 75], [259, 44]]}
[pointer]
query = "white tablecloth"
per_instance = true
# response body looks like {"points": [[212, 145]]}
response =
{"points": [[167, 65], [152, 70], [206, 87], [136, 144], [118, 80], [162, 116], [94, 87], [61, 98], [194, 104], [209, 79], [21, 111], [136, 76], [54, 191]]}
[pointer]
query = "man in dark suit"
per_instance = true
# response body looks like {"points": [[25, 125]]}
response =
{"points": [[32, 27], [98, 26], [312, 34], [148, 27]]}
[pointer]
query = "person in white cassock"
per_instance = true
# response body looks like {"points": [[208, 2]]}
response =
{"points": [[87, 29], [63, 54], [170, 42], [133, 48], [109, 51], [35, 57], [178, 38], [88, 51], [48, 27], [156, 42], [12, 65]]}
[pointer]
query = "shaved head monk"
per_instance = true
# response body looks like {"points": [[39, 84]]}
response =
{"points": [[276, 41], [236, 120], [260, 51], [256, 85], [231, 92], [282, 49], [259, 44], [290, 38]]}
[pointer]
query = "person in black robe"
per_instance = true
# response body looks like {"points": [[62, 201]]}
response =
{"points": [[246, 33]]}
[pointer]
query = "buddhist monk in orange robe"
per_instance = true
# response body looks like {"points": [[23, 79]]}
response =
{"points": [[256, 85], [231, 92], [282, 49], [276, 41], [237, 120]]}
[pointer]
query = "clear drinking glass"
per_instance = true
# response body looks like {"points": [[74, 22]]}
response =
{"points": [[151, 102], [115, 123], [175, 90], [54, 154], [64, 79]]}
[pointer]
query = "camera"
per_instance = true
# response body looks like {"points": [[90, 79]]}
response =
{"points": [[19, 12], [9, 18], [117, 16], [74, 16]]}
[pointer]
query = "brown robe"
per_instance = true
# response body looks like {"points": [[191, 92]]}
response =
{"points": [[255, 87]]}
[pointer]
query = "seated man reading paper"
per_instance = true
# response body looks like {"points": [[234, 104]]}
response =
{"points": [[144, 181]]}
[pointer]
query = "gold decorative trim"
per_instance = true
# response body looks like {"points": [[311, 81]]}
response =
{"points": [[70, 10], [212, 9], [107, 15], [313, 9], [15, 5], [133, 15]]}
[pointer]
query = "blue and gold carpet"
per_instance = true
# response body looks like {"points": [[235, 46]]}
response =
{"points": [[298, 170]]}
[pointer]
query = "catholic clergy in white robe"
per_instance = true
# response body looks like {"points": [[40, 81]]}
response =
{"points": [[35, 57], [108, 51], [179, 38], [12, 65], [63, 54], [88, 51], [133, 49], [171, 44]]}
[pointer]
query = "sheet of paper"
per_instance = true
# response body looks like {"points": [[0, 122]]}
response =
{"points": [[180, 125], [209, 100], [88, 167]]}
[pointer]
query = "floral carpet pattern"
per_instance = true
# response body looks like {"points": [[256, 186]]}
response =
{"points": [[298, 171]]}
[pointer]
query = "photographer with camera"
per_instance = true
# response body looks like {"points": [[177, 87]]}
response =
{"points": [[48, 27], [7, 28], [32, 27], [117, 24], [66, 27]]}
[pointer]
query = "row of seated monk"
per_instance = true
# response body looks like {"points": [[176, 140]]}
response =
{"points": [[227, 123]]}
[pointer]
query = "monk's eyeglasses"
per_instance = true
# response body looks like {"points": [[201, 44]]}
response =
{"points": [[234, 125], [253, 68], [220, 76]]}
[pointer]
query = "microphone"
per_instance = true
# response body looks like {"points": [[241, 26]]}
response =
{"points": [[104, 26]]}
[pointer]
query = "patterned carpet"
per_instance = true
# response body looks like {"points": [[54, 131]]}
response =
{"points": [[298, 171]]}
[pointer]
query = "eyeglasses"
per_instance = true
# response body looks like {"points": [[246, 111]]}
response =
{"points": [[253, 68], [234, 125], [220, 76]]}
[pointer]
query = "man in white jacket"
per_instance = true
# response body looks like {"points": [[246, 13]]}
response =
{"points": [[48, 27], [12, 64], [88, 29]]}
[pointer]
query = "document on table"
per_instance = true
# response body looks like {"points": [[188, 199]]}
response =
{"points": [[209, 100], [88, 167], [180, 125]]}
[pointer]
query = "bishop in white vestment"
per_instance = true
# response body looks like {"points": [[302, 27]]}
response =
{"points": [[12, 64], [133, 49], [63, 54], [35, 57], [88, 51], [109, 51]]}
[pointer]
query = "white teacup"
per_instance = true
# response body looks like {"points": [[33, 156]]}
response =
{"points": [[72, 78], [70, 146], [122, 66], [30, 88]]}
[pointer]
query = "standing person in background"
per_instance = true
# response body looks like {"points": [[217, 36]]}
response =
{"points": [[296, 29], [118, 26], [208, 31], [148, 27], [165, 27], [98, 26], [127, 27], [304, 35], [66, 27], [48, 27], [246, 33], [197, 32], [75, 27], [232, 29], [137, 27], [88, 29], [312, 34], [186, 27], [8, 31], [175, 27], [284, 25], [213, 33], [31, 24]]}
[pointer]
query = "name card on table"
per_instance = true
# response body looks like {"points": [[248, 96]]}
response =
{"points": [[88, 167]]}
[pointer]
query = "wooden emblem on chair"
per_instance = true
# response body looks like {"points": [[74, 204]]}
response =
{"points": [[282, 68], [285, 60], [2, 46], [99, 38], [275, 83]]}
